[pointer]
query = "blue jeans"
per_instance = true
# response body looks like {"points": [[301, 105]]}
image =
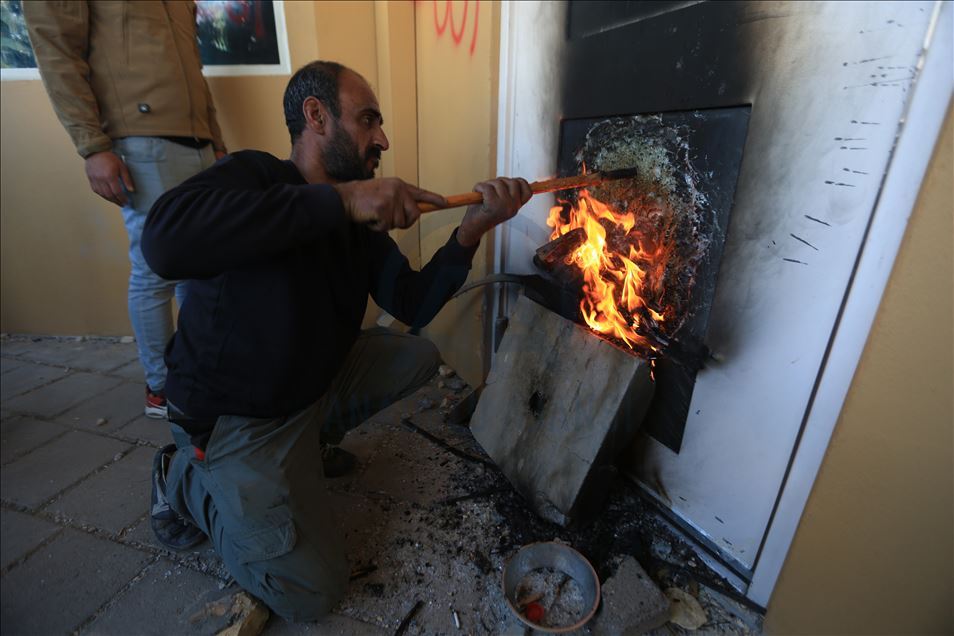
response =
{"points": [[156, 165]]}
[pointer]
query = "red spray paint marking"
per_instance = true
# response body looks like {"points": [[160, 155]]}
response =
{"points": [[440, 25]]}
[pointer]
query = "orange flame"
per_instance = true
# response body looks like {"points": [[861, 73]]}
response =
{"points": [[621, 270]]}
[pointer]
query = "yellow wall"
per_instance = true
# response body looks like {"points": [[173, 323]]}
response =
{"points": [[457, 105], [874, 553]]}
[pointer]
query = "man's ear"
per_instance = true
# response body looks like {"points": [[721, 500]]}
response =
{"points": [[316, 115]]}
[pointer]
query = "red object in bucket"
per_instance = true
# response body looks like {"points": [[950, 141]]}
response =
{"points": [[534, 612]]}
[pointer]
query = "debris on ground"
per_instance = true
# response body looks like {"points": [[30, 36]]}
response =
{"points": [[684, 610], [242, 615], [445, 371], [631, 601]]}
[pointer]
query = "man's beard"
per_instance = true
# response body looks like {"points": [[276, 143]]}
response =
{"points": [[343, 161]]}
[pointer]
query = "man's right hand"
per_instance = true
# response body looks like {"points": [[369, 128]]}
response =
{"points": [[104, 171], [384, 204]]}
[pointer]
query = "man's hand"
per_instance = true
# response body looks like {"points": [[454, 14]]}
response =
{"points": [[502, 199], [383, 204], [104, 171]]}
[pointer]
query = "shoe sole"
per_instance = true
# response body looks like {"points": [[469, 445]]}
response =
{"points": [[156, 412]]}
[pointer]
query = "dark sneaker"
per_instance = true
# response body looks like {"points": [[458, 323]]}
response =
{"points": [[155, 404], [171, 529], [336, 462]]}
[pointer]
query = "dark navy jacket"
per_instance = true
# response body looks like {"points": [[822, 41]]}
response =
{"points": [[279, 279]]}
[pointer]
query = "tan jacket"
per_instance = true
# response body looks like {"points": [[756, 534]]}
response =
{"points": [[119, 69]]}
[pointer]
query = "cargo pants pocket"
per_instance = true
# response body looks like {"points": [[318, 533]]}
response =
{"points": [[268, 538]]}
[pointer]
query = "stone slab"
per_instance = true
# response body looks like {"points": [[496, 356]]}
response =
{"points": [[20, 346], [161, 602], [147, 430], [558, 407], [118, 406], [20, 435], [631, 602], [20, 533], [9, 364], [34, 478], [55, 398], [64, 583], [25, 377], [114, 498], [131, 371], [51, 350], [102, 356]]}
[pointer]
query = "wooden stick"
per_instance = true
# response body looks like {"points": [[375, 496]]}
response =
{"points": [[537, 187]]}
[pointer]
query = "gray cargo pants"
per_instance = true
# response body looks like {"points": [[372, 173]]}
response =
{"points": [[260, 496]]}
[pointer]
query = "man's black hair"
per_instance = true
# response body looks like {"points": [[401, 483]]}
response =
{"points": [[317, 79]]}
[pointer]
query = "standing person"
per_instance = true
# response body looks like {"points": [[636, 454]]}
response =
{"points": [[270, 362], [125, 80]]}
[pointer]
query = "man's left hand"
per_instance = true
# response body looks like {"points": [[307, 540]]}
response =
{"points": [[503, 198]]}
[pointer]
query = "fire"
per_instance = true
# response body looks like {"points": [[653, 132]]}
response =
{"points": [[622, 271]]}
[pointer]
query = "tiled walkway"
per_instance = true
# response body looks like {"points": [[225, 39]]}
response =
{"points": [[427, 520], [77, 551]]}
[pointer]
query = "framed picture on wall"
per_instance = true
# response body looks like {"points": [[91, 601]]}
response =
{"points": [[16, 54], [235, 37], [242, 37]]}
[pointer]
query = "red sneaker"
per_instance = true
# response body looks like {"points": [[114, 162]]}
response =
{"points": [[155, 404]]}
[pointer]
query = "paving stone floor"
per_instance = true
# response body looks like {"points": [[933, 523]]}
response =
{"points": [[77, 554]]}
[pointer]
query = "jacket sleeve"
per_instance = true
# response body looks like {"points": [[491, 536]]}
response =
{"points": [[218, 143], [413, 297], [59, 33], [232, 215]]}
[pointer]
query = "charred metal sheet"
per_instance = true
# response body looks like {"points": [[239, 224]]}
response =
{"points": [[688, 166]]}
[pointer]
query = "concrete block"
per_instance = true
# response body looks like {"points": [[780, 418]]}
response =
{"points": [[19, 435], [54, 398], [113, 498], [20, 533], [118, 406], [161, 602], [146, 429], [558, 407], [64, 583], [34, 478], [631, 602], [27, 376]]}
